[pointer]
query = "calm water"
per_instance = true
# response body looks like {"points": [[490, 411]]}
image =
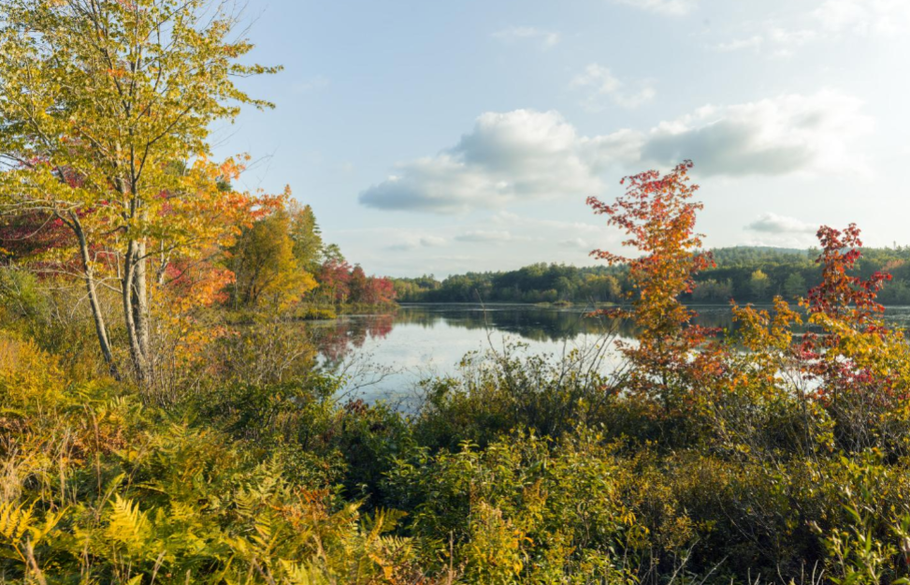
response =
{"points": [[386, 356]]}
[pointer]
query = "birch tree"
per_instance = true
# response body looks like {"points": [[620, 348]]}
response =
{"points": [[105, 113]]}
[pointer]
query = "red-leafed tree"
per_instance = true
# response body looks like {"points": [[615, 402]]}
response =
{"points": [[840, 295], [33, 236], [857, 363], [359, 285], [382, 291], [334, 277], [658, 215]]}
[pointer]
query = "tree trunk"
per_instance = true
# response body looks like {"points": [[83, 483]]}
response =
{"points": [[127, 293], [97, 316], [141, 303]]}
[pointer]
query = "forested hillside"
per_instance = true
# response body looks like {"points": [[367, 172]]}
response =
{"points": [[749, 274]]}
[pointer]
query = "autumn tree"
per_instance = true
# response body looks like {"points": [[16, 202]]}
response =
{"points": [[758, 284], [265, 266], [105, 108], [378, 291], [334, 278], [369, 290], [658, 216], [859, 365], [358, 285]]}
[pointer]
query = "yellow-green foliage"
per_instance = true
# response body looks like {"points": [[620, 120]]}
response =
{"points": [[97, 488], [525, 509]]}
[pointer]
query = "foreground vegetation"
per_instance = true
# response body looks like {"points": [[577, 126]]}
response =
{"points": [[163, 419]]}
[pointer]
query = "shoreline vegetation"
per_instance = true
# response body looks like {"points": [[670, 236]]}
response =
{"points": [[744, 273], [163, 421]]}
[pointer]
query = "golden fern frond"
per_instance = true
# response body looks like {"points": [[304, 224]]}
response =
{"points": [[303, 574], [401, 544], [128, 524], [14, 521], [382, 522]]}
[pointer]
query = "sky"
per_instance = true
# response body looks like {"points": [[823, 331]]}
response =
{"points": [[445, 137]]}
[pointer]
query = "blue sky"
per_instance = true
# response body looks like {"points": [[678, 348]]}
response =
{"points": [[443, 137]]}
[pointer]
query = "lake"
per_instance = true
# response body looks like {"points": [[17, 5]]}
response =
{"points": [[386, 356]]}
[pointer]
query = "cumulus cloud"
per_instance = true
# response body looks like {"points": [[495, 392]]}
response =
{"points": [[771, 223], [507, 157], [527, 155], [664, 7], [601, 86], [547, 39], [769, 137]]}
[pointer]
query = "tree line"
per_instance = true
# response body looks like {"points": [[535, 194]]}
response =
{"points": [[743, 273]]}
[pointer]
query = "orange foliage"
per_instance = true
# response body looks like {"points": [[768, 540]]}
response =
{"points": [[657, 214]]}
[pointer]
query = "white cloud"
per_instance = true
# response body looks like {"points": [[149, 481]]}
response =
{"points": [[600, 86], [527, 155], [768, 137], [827, 21], [622, 147], [771, 223], [664, 7], [776, 40], [786, 41], [886, 17], [547, 39], [507, 157], [484, 236]]}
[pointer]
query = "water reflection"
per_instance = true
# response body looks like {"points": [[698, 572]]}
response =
{"points": [[542, 323], [338, 338], [397, 351], [531, 323]]}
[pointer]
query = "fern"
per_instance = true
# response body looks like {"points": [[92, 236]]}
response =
{"points": [[15, 521], [129, 525], [303, 574]]}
